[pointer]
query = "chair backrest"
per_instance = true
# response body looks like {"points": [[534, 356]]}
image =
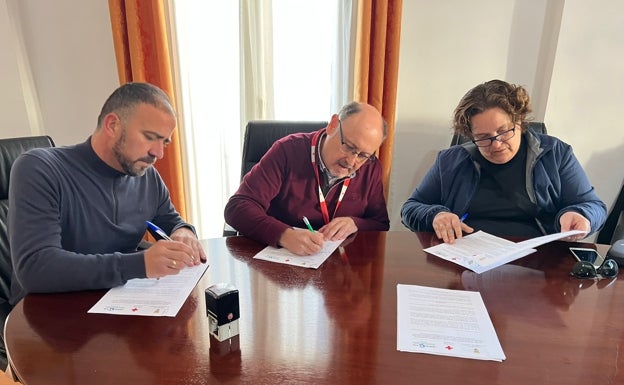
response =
{"points": [[261, 134], [613, 229], [10, 149], [538, 127]]}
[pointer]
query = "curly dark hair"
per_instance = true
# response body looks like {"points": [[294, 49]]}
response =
{"points": [[511, 98]]}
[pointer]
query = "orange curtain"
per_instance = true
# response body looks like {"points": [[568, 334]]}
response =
{"points": [[377, 66], [142, 52]]}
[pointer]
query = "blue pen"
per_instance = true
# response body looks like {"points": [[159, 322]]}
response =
{"points": [[463, 217], [307, 223], [158, 230]]}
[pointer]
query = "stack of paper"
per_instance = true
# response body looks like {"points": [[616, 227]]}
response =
{"points": [[445, 322], [481, 251]]}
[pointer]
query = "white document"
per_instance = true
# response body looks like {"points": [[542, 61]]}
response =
{"points": [[282, 255], [150, 296], [534, 242], [481, 251], [445, 322]]}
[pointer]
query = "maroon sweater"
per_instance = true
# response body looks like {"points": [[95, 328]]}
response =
{"points": [[282, 188]]}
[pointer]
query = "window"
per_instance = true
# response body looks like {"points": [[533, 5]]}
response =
{"points": [[235, 56], [303, 50]]}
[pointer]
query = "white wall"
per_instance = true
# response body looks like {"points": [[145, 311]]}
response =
{"points": [[572, 73], [69, 49], [568, 54], [14, 116], [587, 90]]}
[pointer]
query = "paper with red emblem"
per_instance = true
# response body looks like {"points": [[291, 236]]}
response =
{"points": [[445, 322]]}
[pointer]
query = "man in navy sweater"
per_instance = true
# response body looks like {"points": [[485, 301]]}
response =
{"points": [[330, 176], [77, 214]]}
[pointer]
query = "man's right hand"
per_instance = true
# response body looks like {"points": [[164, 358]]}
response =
{"points": [[301, 242], [167, 258]]}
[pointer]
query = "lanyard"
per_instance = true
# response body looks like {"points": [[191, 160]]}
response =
{"points": [[345, 183]]}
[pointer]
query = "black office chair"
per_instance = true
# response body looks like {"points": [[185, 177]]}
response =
{"points": [[260, 136], [613, 229], [10, 149], [538, 127]]}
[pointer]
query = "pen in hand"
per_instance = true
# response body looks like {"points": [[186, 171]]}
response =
{"points": [[158, 230], [307, 223], [463, 217]]}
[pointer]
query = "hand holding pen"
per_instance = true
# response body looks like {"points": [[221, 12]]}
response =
{"points": [[302, 241], [167, 257], [448, 226], [182, 234]]}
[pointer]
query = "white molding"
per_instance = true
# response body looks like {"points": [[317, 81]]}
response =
{"points": [[29, 90]]}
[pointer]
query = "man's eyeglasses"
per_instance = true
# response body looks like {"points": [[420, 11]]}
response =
{"points": [[502, 137], [360, 157], [585, 269]]}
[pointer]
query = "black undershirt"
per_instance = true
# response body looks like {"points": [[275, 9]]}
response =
{"points": [[494, 209]]}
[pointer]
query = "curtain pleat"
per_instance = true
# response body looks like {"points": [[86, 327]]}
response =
{"points": [[257, 57], [377, 66], [142, 53]]}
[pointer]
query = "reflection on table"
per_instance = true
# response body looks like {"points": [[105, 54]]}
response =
{"points": [[332, 325]]}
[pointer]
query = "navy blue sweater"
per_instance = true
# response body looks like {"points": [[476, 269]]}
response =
{"points": [[74, 223]]}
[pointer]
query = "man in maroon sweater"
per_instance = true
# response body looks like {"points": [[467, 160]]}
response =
{"points": [[330, 176]]}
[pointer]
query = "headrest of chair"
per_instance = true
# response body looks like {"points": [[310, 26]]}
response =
{"points": [[10, 149], [261, 134]]}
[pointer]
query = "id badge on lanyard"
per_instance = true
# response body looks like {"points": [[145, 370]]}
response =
{"points": [[345, 183]]}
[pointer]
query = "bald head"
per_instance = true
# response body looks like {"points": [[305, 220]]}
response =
{"points": [[368, 113], [353, 137]]}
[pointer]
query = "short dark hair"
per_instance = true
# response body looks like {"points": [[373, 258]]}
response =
{"points": [[353, 108], [123, 100], [511, 98]]}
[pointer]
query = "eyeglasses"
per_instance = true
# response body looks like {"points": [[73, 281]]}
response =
{"points": [[502, 137], [360, 157], [585, 269]]}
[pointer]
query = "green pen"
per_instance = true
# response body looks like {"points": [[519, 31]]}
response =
{"points": [[307, 223]]}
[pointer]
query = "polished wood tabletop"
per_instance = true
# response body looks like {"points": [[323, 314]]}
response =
{"points": [[333, 325]]}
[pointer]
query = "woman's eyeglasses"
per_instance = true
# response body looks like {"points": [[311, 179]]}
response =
{"points": [[585, 269], [502, 137]]}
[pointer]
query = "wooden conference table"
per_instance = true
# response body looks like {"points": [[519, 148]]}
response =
{"points": [[333, 325]]}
